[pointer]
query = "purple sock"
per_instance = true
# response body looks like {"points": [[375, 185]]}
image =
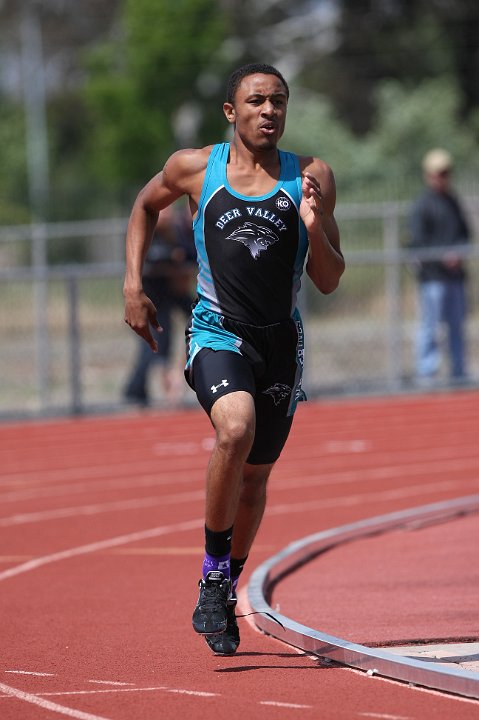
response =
{"points": [[214, 562]]}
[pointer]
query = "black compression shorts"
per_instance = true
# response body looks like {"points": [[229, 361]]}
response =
{"points": [[268, 366]]}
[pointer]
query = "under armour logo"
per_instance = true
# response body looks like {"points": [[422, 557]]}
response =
{"points": [[223, 383]]}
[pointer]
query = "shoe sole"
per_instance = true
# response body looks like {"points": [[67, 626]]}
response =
{"points": [[219, 652], [227, 636], [218, 631], [208, 634]]}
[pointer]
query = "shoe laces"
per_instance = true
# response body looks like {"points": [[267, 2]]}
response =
{"points": [[212, 593]]}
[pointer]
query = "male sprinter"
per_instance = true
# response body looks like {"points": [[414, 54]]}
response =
{"points": [[259, 215]]}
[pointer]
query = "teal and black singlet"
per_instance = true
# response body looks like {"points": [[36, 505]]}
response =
{"points": [[251, 250], [251, 253]]}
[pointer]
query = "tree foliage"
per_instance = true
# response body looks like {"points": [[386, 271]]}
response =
{"points": [[137, 82], [129, 81], [13, 166], [405, 40], [384, 163]]}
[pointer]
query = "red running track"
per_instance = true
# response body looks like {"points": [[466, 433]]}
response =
{"points": [[101, 547], [406, 575]]}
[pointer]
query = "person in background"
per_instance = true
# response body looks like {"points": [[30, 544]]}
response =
{"points": [[438, 222], [168, 279]]}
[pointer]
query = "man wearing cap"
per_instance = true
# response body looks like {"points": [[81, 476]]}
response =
{"points": [[437, 222]]}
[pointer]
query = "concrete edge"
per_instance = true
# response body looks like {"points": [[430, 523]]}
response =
{"points": [[371, 660]]}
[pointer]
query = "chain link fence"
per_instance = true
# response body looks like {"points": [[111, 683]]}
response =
{"points": [[66, 350]]}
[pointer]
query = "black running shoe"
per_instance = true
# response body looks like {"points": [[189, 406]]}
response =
{"points": [[226, 643], [210, 614]]}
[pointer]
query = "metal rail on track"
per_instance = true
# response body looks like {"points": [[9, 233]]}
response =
{"points": [[374, 660]]}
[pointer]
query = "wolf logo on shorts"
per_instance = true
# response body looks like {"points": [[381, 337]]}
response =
{"points": [[278, 392]]}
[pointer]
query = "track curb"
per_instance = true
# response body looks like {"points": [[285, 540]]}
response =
{"points": [[374, 661]]}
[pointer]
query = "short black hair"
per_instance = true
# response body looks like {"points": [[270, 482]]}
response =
{"points": [[251, 69]]}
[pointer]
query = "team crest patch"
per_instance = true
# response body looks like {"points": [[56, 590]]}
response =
{"points": [[278, 392], [255, 237], [282, 203]]}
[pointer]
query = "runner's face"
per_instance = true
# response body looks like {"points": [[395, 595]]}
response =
{"points": [[259, 110]]}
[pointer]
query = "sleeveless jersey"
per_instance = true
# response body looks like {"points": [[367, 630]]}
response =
{"points": [[251, 250]]}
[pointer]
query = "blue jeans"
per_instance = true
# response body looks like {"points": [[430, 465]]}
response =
{"points": [[441, 301]]}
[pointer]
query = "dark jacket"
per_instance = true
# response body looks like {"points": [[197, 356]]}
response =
{"points": [[437, 220]]}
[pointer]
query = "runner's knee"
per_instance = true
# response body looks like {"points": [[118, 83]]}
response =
{"points": [[235, 434]]}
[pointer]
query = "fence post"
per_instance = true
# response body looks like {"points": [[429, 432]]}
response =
{"points": [[40, 311], [76, 404], [393, 296]]}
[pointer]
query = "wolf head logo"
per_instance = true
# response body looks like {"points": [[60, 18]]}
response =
{"points": [[255, 237], [278, 392]]}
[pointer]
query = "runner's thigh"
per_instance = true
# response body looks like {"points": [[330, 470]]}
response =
{"points": [[220, 372]]}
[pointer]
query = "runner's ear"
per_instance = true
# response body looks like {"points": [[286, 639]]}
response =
{"points": [[229, 112]]}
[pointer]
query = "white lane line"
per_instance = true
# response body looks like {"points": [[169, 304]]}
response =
{"points": [[119, 473], [62, 709], [293, 706], [197, 693], [385, 716], [111, 682], [48, 705], [100, 545], [9, 691], [341, 447], [278, 509], [384, 467], [183, 448], [59, 693], [416, 688], [95, 485], [97, 508], [29, 672], [359, 499], [150, 501], [282, 482], [378, 472], [158, 688]]}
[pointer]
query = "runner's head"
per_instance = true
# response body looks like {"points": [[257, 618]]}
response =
{"points": [[251, 69]]}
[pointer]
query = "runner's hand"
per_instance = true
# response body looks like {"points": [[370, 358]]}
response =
{"points": [[311, 207], [140, 315]]}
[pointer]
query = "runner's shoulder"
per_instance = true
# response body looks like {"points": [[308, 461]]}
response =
{"points": [[316, 166], [185, 166]]}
